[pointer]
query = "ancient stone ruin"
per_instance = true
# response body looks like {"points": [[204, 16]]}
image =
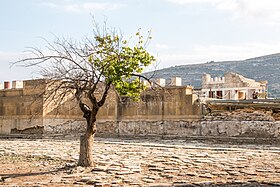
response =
{"points": [[232, 87], [24, 109], [171, 111]]}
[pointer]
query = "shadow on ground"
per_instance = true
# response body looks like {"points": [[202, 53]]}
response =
{"points": [[233, 184], [65, 169]]}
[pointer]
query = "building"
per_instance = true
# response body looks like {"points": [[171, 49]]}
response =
{"points": [[232, 87], [24, 110]]}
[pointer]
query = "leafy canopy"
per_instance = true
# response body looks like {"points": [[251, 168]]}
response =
{"points": [[106, 59], [121, 64]]}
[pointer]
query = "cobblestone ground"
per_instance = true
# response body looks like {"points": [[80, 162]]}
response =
{"points": [[49, 162]]}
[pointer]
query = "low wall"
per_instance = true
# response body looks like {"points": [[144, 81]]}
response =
{"points": [[184, 129], [21, 125], [170, 129], [64, 126], [251, 129], [238, 125], [19, 106]]}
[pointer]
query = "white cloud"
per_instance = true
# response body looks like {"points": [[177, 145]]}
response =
{"points": [[204, 53], [252, 9], [268, 10], [84, 7]]}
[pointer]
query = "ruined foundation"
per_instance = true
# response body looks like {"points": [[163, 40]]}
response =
{"points": [[172, 113]]}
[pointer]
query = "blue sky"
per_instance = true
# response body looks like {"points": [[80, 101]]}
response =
{"points": [[184, 31]]}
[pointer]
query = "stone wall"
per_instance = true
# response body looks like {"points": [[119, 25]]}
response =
{"points": [[240, 124], [21, 109], [64, 126], [142, 117], [18, 124], [245, 123], [169, 112], [251, 129], [26, 109], [186, 129], [170, 103]]}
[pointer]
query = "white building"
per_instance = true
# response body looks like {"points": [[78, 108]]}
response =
{"points": [[232, 87]]}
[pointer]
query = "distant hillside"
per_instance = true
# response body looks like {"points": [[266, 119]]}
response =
{"points": [[259, 68]]}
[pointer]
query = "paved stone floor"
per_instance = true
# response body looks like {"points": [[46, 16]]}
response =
{"points": [[122, 162]]}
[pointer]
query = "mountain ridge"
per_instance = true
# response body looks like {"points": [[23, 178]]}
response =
{"points": [[260, 68]]}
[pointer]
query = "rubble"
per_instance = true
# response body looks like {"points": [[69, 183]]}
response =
{"points": [[246, 114]]}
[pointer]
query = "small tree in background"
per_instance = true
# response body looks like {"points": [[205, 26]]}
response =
{"points": [[88, 70]]}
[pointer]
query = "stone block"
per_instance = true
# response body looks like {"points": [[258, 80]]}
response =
{"points": [[32, 87], [127, 128], [5, 126]]}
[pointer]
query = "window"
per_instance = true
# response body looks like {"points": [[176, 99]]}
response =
{"points": [[211, 94], [219, 95]]}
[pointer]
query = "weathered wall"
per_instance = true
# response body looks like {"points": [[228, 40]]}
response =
{"points": [[253, 129], [236, 124], [185, 129], [170, 112], [115, 118], [164, 104], [24, 109], [177, 129], [21, 108], [246, 123], [63, 126]]}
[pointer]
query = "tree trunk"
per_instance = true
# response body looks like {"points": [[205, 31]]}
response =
{"points": [[86, 140], [86, 145]]}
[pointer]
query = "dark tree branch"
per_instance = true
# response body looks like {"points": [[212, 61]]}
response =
{"points": [[105, 94], [86, 71]]}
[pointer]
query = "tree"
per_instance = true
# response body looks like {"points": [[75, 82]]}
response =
{"points": [[88, 70]]}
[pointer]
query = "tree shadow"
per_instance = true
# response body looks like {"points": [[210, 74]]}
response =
{"points": [[230, 184], [65, 168]]}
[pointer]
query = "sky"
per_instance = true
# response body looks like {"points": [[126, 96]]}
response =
{"points": [[183, 31]]}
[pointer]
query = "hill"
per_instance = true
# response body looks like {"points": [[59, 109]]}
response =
{"points": [[259, 68]]}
